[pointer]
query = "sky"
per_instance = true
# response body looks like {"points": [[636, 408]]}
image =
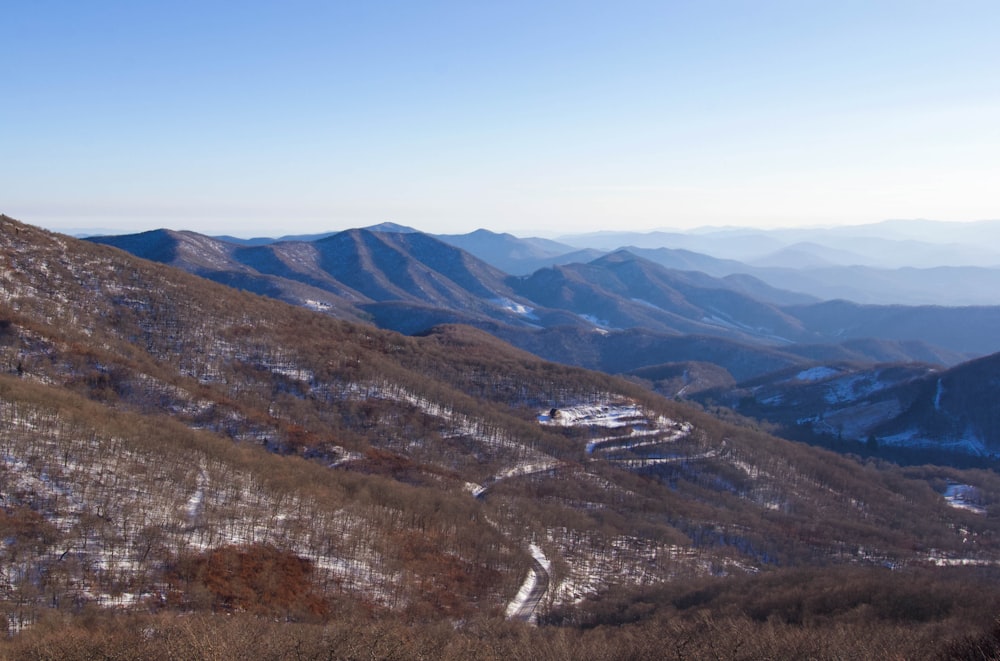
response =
{"points": [[537, 118]]}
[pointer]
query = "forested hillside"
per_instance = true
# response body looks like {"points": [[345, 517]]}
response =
{"points": [[171, 445]]}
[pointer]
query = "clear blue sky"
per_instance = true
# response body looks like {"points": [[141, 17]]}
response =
{"points": [[267, 118]]}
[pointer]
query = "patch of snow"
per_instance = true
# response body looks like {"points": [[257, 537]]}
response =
{"points": [[194, 502], [968, 444], [516, 308], [719, 321], [850, 387], [518, 470], [856, 421], [593, 561], [963, 496], [818, 373], [344, 456], [599, 415], [941, 561], [317, 306], [594, 321]]}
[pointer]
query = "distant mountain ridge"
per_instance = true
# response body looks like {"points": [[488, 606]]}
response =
{"points": [[894, 262], [888, 244], [517, 256], [619, 313], [398, 278]]}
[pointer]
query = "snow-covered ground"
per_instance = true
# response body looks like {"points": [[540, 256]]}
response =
{"points": [[317, 306], [515, 307], [86, 488], [600, 324], [855, 421], [963, 496], [816, 373], [625, 426], [970, 443], [592, 562], [600, 415], [518, 470]]}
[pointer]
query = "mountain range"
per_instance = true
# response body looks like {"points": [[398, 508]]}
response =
{"points": [[172, 445], [619, 313], [895, 262], [360, 271], [889, 244]]}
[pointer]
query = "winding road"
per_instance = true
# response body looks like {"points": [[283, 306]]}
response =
{"points": [[535, 586]]}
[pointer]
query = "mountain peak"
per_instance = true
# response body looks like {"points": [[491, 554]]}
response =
{"points": [[391, 228]]}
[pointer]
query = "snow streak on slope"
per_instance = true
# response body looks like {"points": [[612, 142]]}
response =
{"points": [[519, 470], [520, 457]]}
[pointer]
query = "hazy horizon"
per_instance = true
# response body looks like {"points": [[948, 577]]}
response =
{"points": [[535, 119], [872, 229]]}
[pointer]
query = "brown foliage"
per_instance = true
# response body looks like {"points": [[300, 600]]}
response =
{"points": [[446, 585], [357, 636], [257, 579], [25, 525]]}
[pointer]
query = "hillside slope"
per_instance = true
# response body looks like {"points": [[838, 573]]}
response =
{"points": [[158, 424], [918, 410], [170, 443]]}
